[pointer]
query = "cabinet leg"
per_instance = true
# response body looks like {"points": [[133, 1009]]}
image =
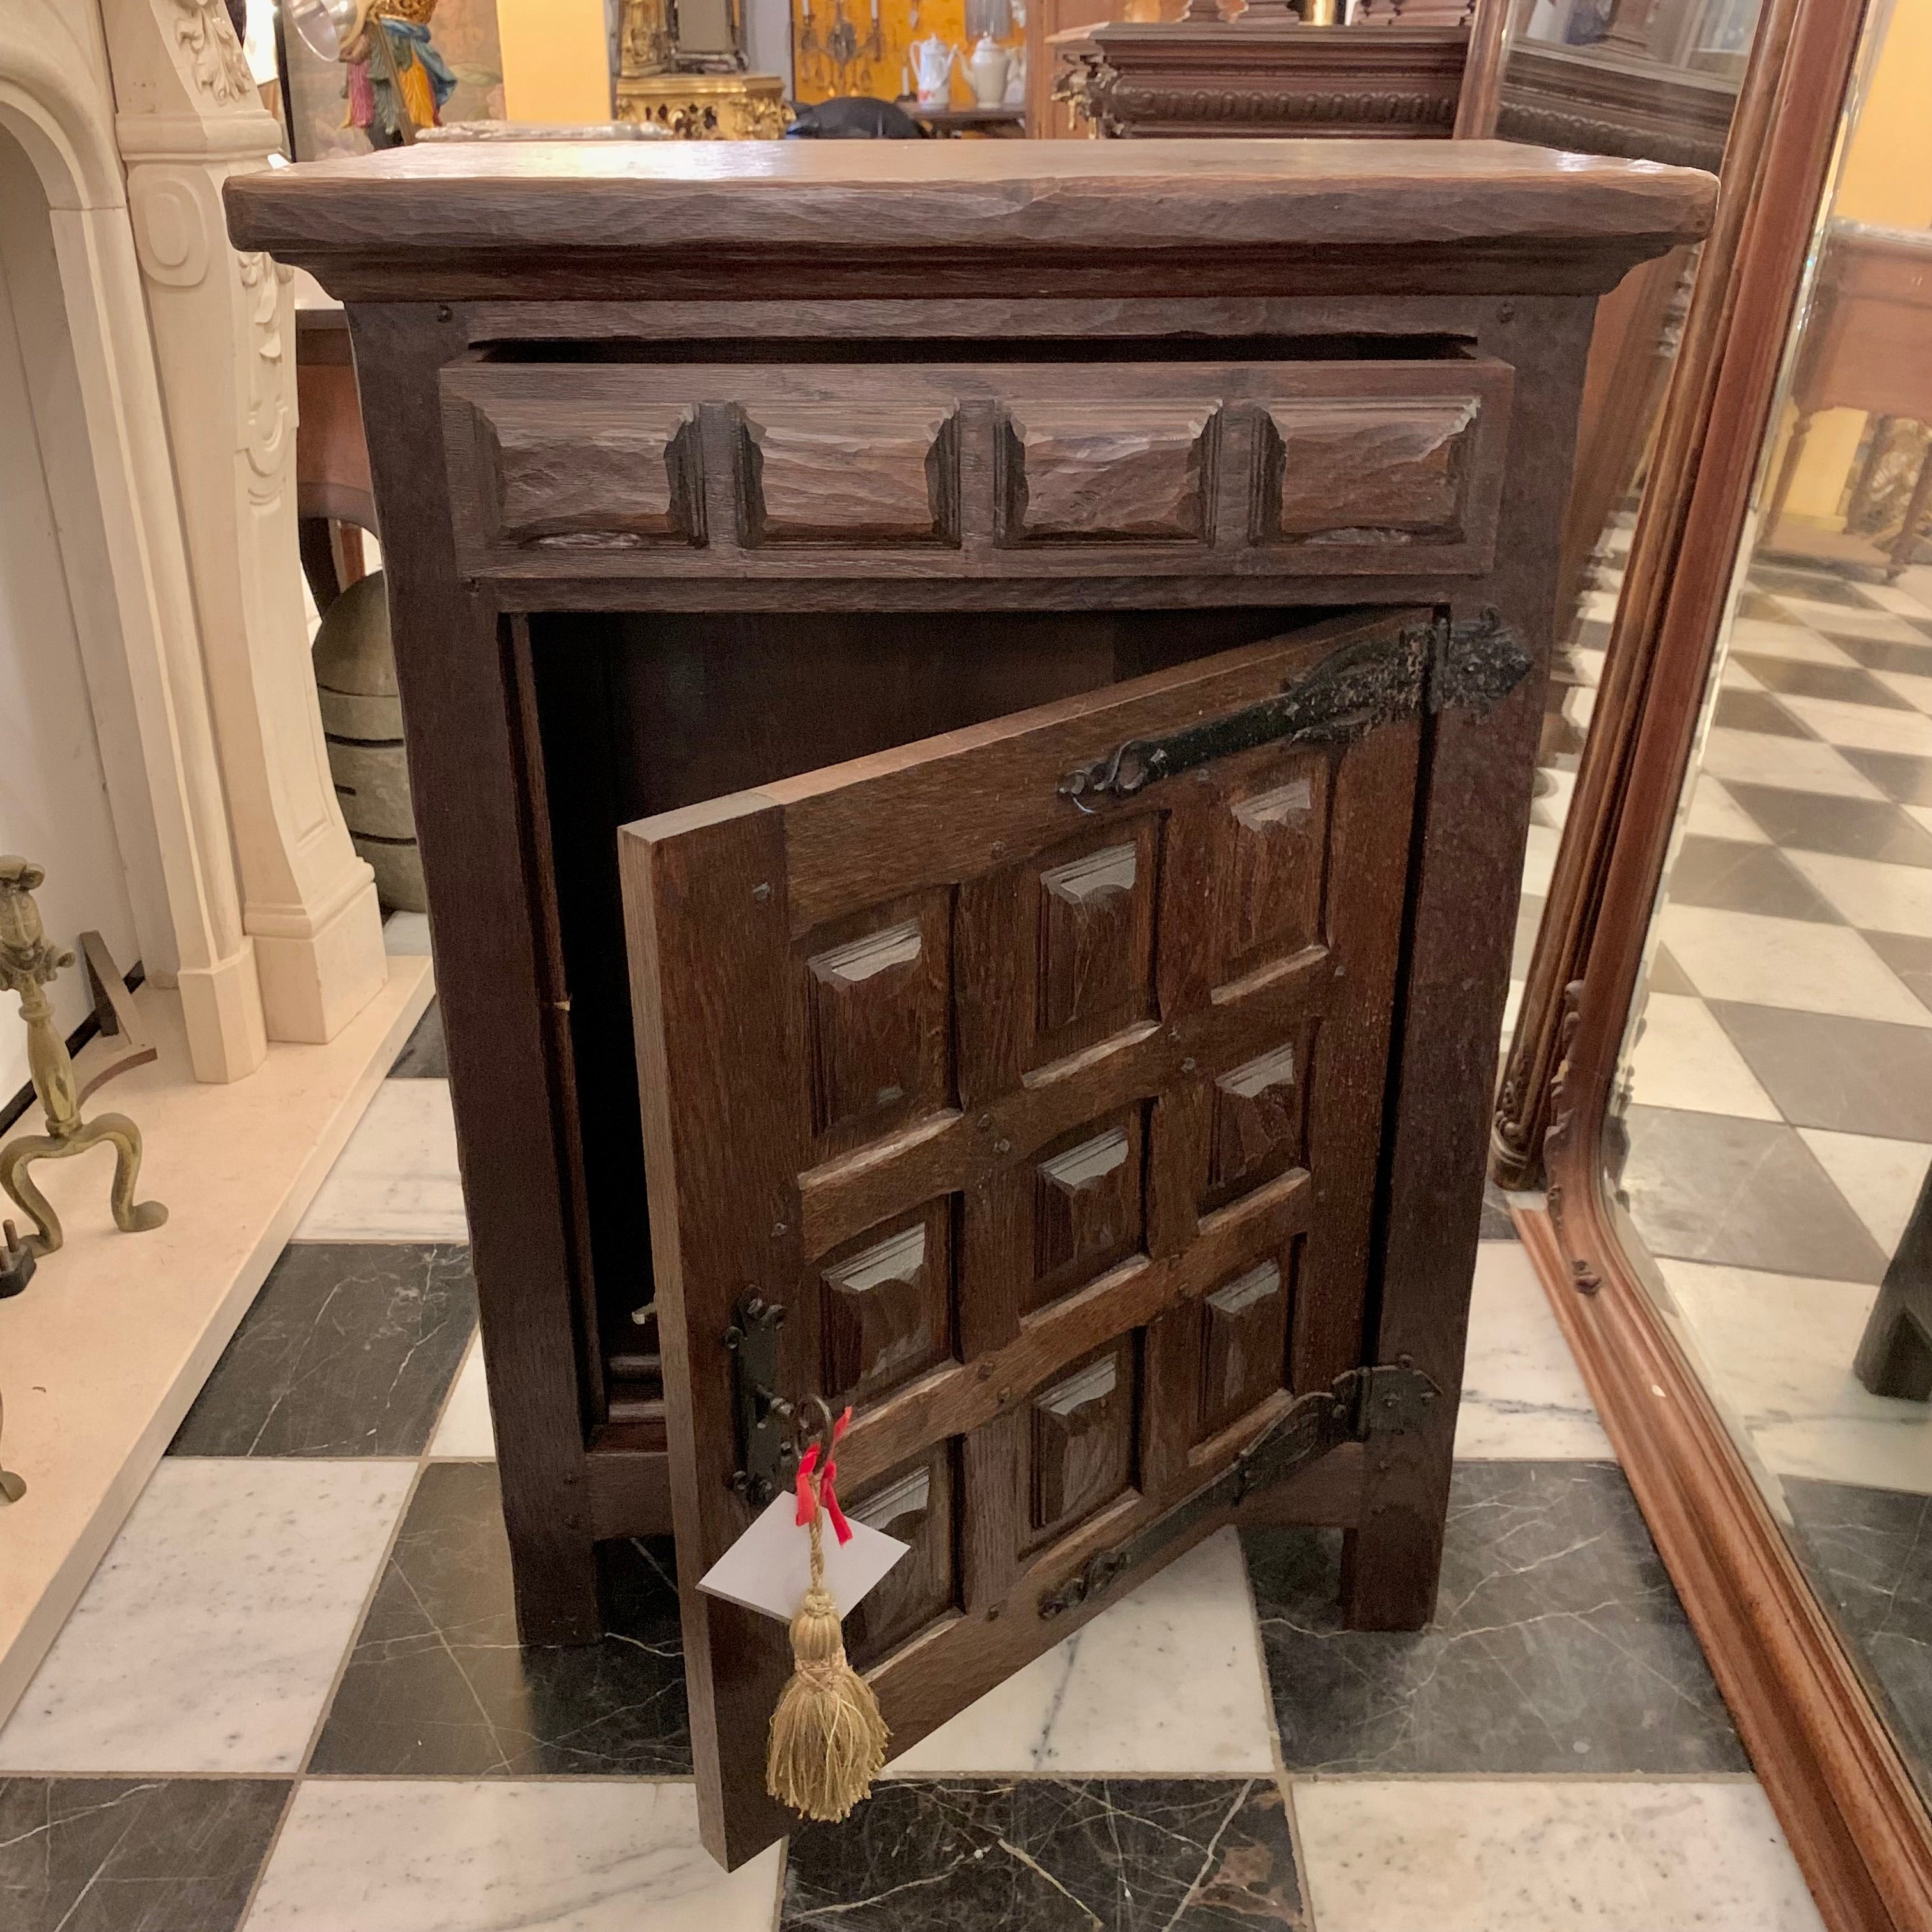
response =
{"points": [[559, 1597], [1392, 1561], [1895, 1356]]}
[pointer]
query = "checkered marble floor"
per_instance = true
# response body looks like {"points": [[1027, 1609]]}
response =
{"points": [[292, 1696], [1780, 1094]]}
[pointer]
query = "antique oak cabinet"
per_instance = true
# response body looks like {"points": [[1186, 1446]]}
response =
{"points": [[970, 708]]}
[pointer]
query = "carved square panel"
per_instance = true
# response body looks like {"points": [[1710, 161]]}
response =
{"points": [[584, 476], [1257, 1122], [1272, 866], [1095, 940], [876, 989], [914, 1504], [1348, 470], [846, 473], [1087, 1205], [1120, 471], [1080, 1441], [886, 1305], [1244, 1342]]}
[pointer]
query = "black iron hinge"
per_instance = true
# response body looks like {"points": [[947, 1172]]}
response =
{"points": [[1391, 1398], [1398, 674], [766, 1455]]}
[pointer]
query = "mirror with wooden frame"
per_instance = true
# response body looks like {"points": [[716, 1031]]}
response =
{"points": [[1723, 1072]]}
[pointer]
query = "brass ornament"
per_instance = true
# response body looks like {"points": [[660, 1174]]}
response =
{"points": [[28, 963]]}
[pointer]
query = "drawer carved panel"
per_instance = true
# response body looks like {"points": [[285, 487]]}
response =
{"points": [[1115, 471], [580, 478], [888, 1307], [1080, 1449], [1345, 471], [824, 473]]}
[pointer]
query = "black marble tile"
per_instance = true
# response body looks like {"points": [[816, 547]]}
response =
{"points": [[1822, 1070], [1852, 828], [1666, 975], [425, 1056], [128, 1854], [1757, 711], [1738, 876], [1866, 1548], [1558, 1644], [437, 1684], [1765, 609], [1049, 1854], [1887, 653], [1845, 684], [348, 1350], [1900, 775], [1909, 956], [1819, 586], [1497, 1224], [1711, 1187]]}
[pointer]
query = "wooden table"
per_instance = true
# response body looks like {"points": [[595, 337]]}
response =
{"points": [[1866, 345], [971, 708]]}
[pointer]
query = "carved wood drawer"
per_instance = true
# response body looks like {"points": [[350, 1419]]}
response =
{"points": [[1265, 469]]}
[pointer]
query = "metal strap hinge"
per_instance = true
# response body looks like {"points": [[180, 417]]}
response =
{"points": [[1391, 1398], [1399, 672]]}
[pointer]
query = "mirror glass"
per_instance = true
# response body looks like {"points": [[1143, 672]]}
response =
{"points": [[1649, 80], [1772, 1130]]}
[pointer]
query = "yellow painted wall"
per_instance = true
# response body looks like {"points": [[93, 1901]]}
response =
{"points": [[557, 60], [883, 75], [1887, 177]]}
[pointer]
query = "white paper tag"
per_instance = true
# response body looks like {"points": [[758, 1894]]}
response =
{"points": [[769, 1568]]}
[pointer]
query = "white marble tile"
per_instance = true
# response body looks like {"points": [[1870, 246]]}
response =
{"points": [[1455, 1855], [1522, 1396], [1756, 757], [209, 1636], [1714, 814], [1923, 813], [1599, 606], [1554, 790], [1512, 1008], [579, 1854], [1873, 896], [1785, 962], [1778, 1349], [1845, 620], [465, 1433], [1736, 677], [1880, 1178], [1915, 582], [396, 1180], [1588, 665], [406, 932], [1684, 1059], [1895, 598], [1539, 860], [1580, 705], [1168, 1683], [1914, 689], [1762, 637], [1871, 728]]}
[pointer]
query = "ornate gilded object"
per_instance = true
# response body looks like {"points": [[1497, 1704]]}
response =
{"points": [[701, 94], [28, 963]]}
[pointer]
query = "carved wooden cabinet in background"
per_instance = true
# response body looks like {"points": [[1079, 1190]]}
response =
{"points": [[1066, 675]]}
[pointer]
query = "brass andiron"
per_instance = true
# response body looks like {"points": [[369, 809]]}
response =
{"points": [[27, 963]]}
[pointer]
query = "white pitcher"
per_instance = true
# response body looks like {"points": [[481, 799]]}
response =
{"points": [[932, 60], [986, 72]]}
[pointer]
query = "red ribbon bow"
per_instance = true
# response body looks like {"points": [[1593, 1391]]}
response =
{"points": [[807, 1507]]}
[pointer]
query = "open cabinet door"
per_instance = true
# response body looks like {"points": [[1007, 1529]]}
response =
{"points": [[1050, 1111]]}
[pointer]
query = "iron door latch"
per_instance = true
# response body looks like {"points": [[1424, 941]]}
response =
{"points": [[767, 1457], [1392, 1399]]}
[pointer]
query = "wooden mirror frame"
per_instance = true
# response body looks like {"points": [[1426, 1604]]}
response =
{"points": [[1855, 1819]]}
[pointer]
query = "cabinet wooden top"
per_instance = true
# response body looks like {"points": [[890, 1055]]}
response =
{"points": [[789, 219]]}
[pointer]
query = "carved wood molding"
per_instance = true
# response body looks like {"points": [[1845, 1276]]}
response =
{"points": [[1855, 1821], [1682, 555]]}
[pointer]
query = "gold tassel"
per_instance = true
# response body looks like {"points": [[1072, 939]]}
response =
{"points": [[828, 1740]]}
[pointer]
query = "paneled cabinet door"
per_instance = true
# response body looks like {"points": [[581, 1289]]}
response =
{"points": [[1054, 1125]]}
